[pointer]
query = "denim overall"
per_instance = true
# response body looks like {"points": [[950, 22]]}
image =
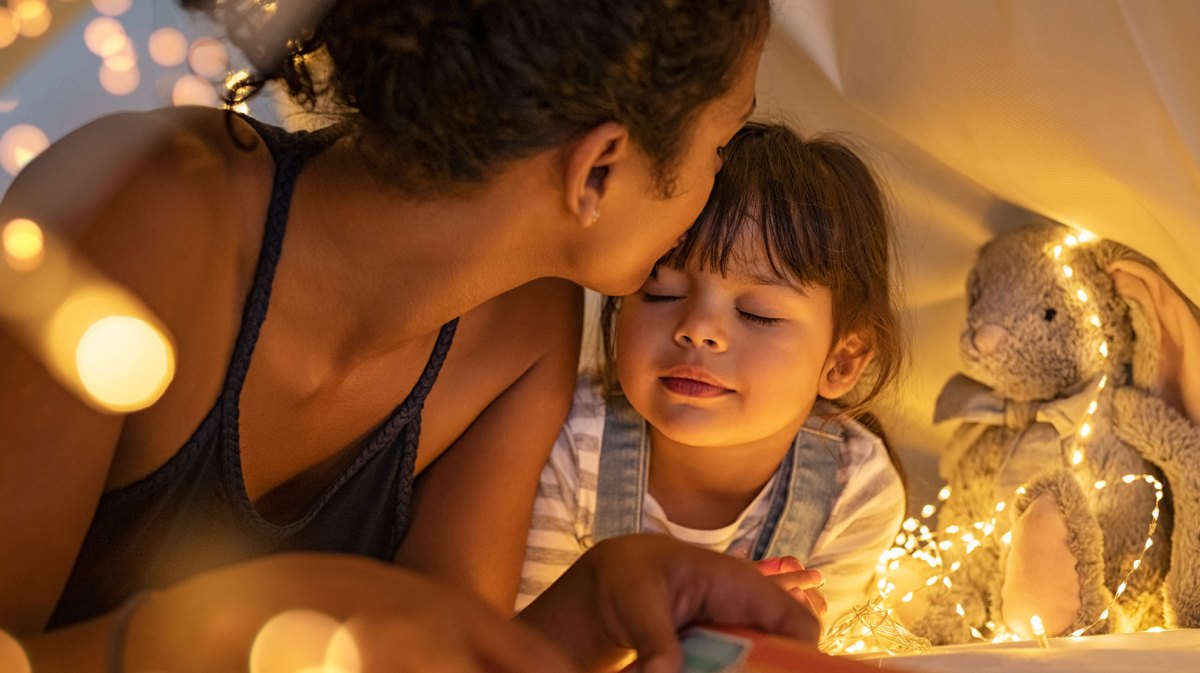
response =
{"points": [[798, 504]]}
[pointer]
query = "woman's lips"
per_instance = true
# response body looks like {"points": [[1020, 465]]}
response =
{"points": [[692, 388]]}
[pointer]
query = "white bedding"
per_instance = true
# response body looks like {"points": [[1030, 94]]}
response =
{"points": [[1161, 652]]}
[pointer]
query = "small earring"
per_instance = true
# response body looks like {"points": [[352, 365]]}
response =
{"points": [[595, 216]]}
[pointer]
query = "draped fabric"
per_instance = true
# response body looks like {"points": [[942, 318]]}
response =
{"points": [[982, 114]]}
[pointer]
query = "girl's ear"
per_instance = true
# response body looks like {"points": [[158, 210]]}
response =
{"points": [[589, 161], [845, 365]]}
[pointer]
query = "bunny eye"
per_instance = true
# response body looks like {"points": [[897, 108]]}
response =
{"points": [[1049, 315]]}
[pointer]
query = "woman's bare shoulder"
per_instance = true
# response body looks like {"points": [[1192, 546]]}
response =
{"points": [[144, 195]]}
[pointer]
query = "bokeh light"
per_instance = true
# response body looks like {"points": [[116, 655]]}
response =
{"points": [[8, 27], [125, 59], [208, 58], [104, 36], [119, 82], [304, 641], [19, 145], [33, 17], [124, 362], [8, 105], [193, 90], [23, 243], [168, 47], [112, 7], [12, 656]]}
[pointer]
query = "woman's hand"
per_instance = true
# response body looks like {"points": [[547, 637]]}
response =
{"points": [[635, 593], [391, 620], [804, 584]]}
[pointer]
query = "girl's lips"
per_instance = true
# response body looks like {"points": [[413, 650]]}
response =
{"points": [[692, 388]]}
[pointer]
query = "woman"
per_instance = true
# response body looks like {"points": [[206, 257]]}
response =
{"points": [[491, 151]]}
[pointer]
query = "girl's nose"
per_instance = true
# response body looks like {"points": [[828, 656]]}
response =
{"points": [[699, 331]]}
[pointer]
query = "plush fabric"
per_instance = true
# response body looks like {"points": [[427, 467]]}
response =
{"points": [[1049, 331]]}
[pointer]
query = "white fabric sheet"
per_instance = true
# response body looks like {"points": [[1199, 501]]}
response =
{"points": [[1163, 652], [981, 114]]}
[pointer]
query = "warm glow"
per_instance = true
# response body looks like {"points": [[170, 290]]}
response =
{"points": [[125, 59], [304, 641], [23, 244], [1068, 271], [168, 47], [8, 27], [193, 90], [124, 362], [32, 17], [12, 656], [119, 82], [208, 58], [112, 7], [104, 36], [19, 145], [1083, 296]]}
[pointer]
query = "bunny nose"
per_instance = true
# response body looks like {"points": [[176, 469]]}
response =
{"points": [[989, 339]]}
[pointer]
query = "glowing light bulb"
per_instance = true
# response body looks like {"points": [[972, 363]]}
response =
{"points": [[1068, 271], [1039, 630], [1094, 320], [1058, 251], [1101, 484], [944, 494], [1076, 456], [124, 362], [1085, 236], [19, 145], [304, 640], [32, 17], [112, 7], [1071, 241], [8, 27], [12, 656], [104, 36], [1083, 296], [23, 244], [168, 47], [927, 511], [1085, 430]]}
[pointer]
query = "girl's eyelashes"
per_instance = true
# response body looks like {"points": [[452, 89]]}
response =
{"points": [[758, 319], [652, 298]]}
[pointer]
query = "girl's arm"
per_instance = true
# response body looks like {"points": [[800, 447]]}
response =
{"points": [[472, 506], [862, 526]]}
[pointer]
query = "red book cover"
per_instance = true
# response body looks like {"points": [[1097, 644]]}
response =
{"points": [[719, 649]]}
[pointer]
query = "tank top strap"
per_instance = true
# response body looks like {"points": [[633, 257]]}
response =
{"points": [[290, 150]]}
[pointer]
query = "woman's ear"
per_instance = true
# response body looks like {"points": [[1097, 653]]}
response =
{"points": [[845, 365], [589, 163]]}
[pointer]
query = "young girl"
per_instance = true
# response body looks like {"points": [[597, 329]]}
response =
{"points": [[723, 430]]}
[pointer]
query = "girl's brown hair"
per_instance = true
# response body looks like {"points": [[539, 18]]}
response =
{"points": [[822, 218]]}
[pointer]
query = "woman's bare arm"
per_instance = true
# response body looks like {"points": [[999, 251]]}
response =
{"points": [[473, 504]]}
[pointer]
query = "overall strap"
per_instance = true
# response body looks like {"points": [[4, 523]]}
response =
{"points": [[624, 466], [802, 496]]}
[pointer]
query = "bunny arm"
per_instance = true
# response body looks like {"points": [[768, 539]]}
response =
{"points": [[1164, 437]]}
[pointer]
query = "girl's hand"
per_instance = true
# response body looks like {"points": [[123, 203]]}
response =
{"points": [[804, 584], [636, 592]]}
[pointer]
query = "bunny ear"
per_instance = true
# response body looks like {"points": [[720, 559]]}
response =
{"points": [[1166, 358]]}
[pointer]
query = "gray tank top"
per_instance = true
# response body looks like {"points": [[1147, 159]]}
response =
{"points": [[193, 513]]}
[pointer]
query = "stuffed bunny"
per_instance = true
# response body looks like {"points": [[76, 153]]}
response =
{"points": [[1051, 424]]}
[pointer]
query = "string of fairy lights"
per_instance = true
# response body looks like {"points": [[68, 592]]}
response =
{"points": [[873, 627]]}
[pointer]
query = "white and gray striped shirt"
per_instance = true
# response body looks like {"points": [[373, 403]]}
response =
{"points": [[863, 520]]}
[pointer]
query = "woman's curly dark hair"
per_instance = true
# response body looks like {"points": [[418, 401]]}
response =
{"points": [[444, 92]]}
